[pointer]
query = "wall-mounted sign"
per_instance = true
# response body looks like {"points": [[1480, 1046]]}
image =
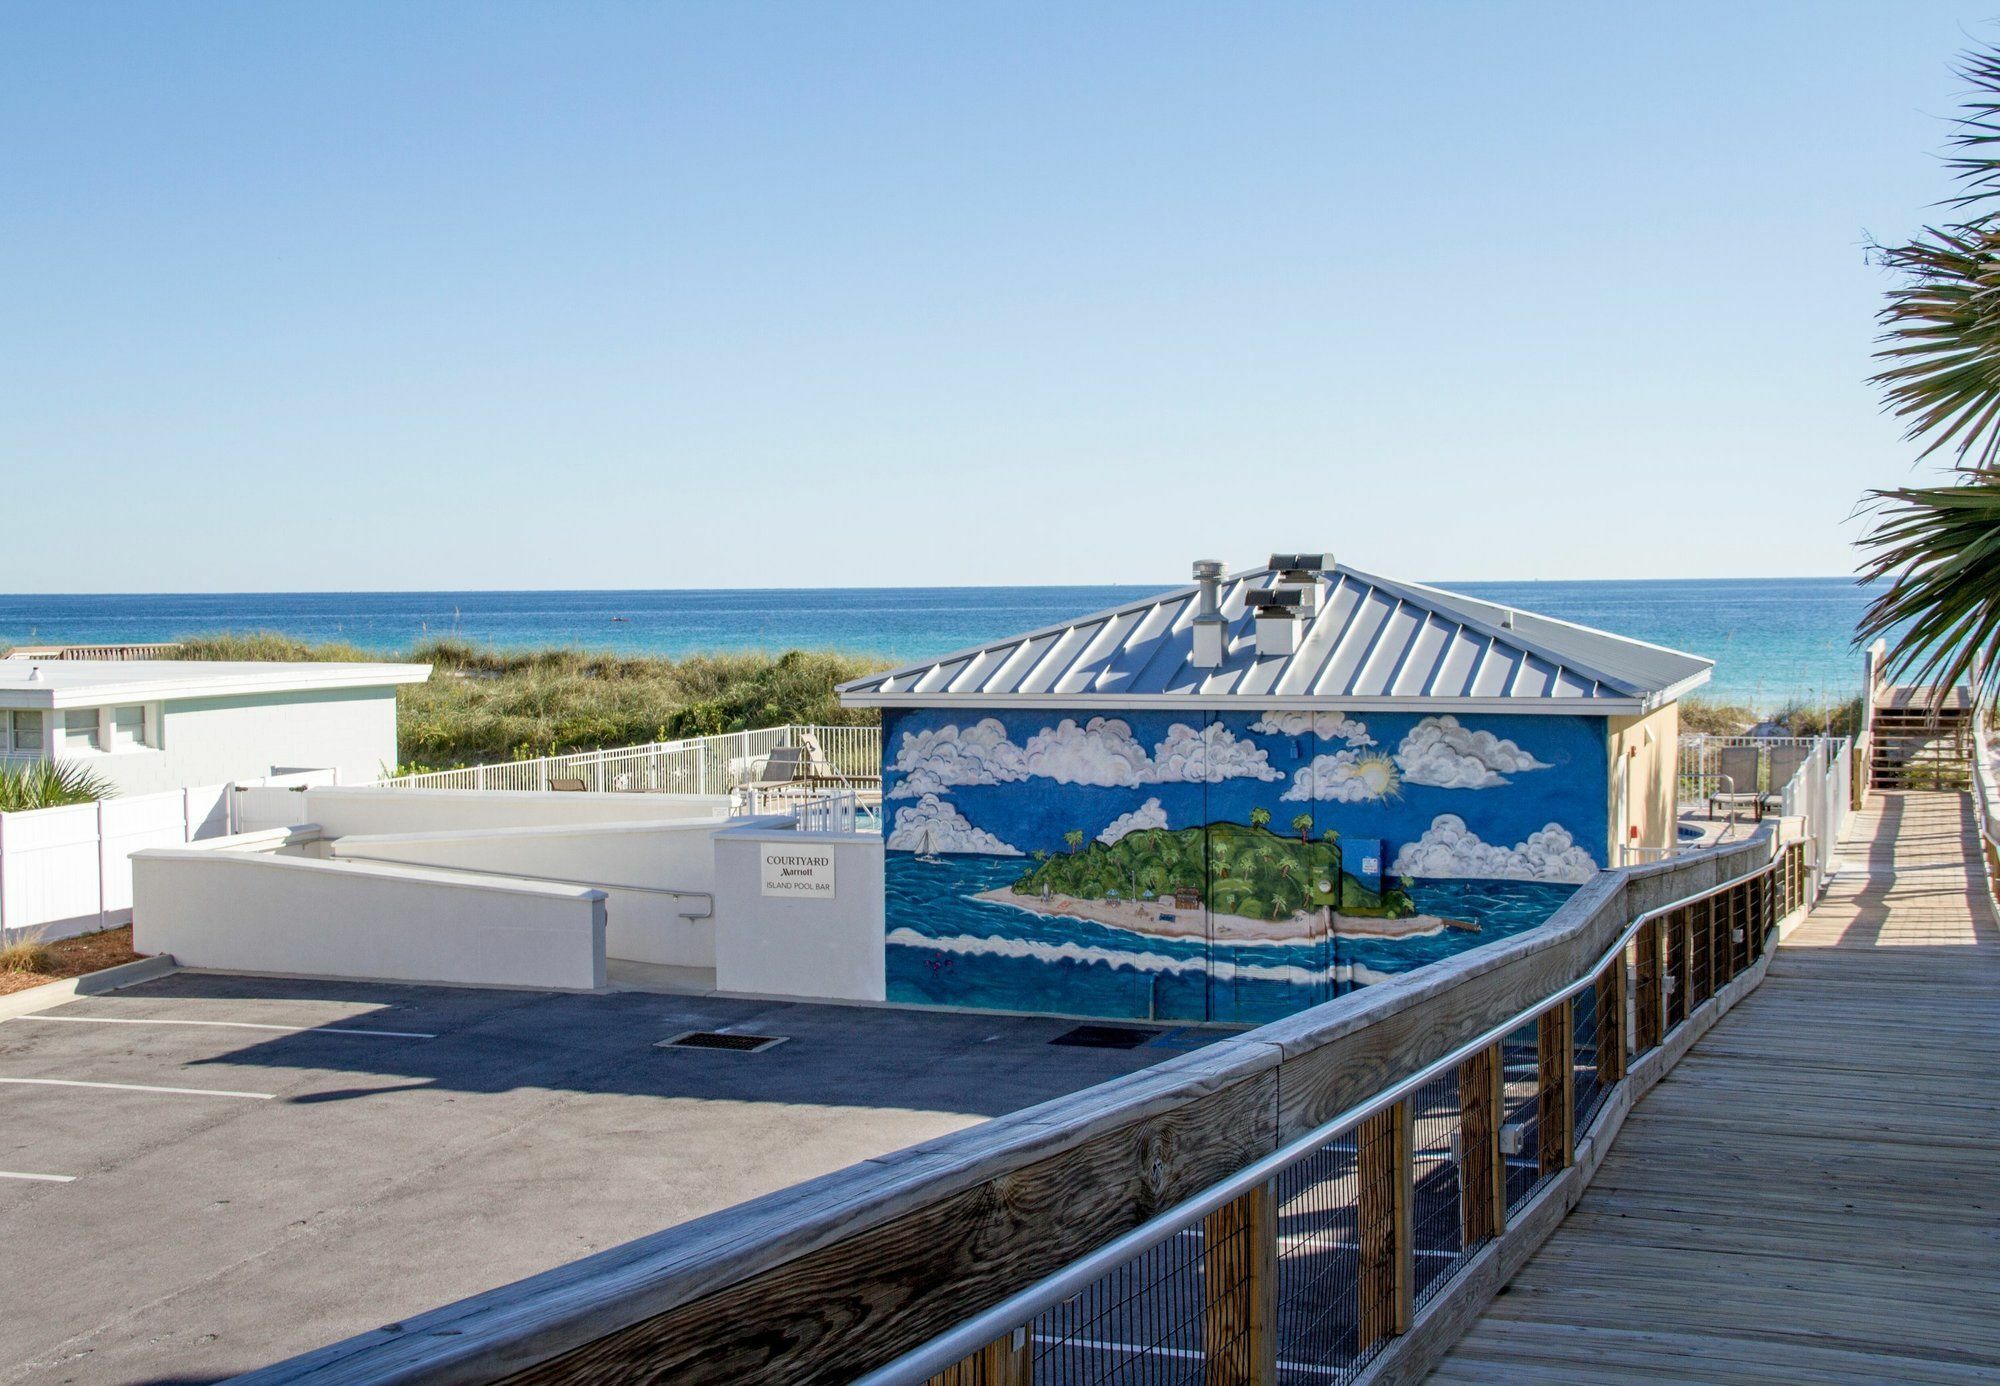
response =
{"points": [[802, 872]]}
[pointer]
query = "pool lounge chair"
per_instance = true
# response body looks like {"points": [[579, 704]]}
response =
{"points": [[1736, 780], [1785, 763]]}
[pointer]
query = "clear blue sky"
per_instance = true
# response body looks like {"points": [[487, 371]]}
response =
{"points": [[645, 295]]}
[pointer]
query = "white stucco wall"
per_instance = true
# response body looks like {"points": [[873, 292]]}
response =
{"points": [[776, 946], [254, 912], [342, 811], [639, 924], [214, 740]]}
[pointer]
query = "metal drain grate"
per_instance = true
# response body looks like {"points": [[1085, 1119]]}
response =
{"points": [[1104, 1037], [722, 1039]]}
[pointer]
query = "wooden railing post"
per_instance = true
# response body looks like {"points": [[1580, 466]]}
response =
{"points": [[1006, 1361], [1611, 1021], [1383, 1225], [1482, 1167], [1648, 1003], [1556, 1108], [1240, 1265], [1701, 952]]}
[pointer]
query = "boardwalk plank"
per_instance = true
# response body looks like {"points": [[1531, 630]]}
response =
{"points": [[1812, 1194]]}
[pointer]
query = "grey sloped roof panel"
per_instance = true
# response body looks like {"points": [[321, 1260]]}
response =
{"points": [[1371, 640]]}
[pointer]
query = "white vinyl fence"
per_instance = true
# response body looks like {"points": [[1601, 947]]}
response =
{"points": [[67, 871], [1819, 791], [697, 765]]}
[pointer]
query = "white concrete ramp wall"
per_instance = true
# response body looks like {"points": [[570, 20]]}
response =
{"points": [[642, 923], [254, 912], [341, 810]]}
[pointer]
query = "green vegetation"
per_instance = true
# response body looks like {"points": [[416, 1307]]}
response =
{"points": [[1715, 719], [1247, 870], [27, 955], [1797, 718], [483, 705], [1938, 547], [1820, 719], [48, 784]]}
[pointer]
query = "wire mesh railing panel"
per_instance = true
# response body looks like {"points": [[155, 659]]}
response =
{"points": [[1586, 1071], [1520, 1135], [1143, 1323], [1319, 1264], [1438, 1244]]}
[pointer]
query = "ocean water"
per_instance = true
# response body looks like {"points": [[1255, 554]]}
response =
{"points": [[965, 951], [1774, 640]]}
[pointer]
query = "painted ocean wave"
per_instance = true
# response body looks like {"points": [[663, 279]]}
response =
{"points": [[947, 947], [1302, 974]]}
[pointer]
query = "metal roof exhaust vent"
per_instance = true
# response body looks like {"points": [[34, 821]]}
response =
{"points": [[1300, 572], [1278, 610], [1210, 629]]}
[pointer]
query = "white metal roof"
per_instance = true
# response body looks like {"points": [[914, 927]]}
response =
{"points": [[27, 683], [1372, 642]]}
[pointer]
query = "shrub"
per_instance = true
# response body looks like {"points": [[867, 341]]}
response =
{"points": [[48, 784], [26, 955]]}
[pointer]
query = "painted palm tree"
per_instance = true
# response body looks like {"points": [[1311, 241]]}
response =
{"points": [[1302, 824], [1938, 547], [1074, 837], [1260, 818]]}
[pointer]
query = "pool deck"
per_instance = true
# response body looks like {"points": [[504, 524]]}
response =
{"points": [[1811, 1196], [204, 1173]]}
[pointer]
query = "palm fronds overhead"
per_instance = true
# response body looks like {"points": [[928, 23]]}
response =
{"points": [[1938, 547]]}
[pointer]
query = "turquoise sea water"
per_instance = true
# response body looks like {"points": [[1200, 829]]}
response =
{"points": [[1773, 639]]}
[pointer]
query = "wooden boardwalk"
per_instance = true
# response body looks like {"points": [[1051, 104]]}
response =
{"points": [[1814, 1193]]}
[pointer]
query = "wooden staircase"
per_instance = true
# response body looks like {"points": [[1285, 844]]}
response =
{"points": [[1921, 738]]}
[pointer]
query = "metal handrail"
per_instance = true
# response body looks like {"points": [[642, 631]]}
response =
{"points": [[922, 1363]]}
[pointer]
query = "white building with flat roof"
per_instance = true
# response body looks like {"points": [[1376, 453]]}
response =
{"points": [[148, 725]]}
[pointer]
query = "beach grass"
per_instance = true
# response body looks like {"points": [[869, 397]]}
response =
{"points": [[483, 705], [1797, 718]]}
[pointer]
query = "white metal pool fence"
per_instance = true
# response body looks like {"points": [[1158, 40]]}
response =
{"points": [[846, 758], [1820, 790]]}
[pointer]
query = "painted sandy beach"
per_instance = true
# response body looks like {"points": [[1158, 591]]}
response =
{"points": [[1156, 921]]}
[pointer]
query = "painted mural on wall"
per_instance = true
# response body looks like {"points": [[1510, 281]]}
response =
{"points": [[1219, 866]]}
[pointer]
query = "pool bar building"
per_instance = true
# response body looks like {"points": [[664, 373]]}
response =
{"points": [[1249, 794]]}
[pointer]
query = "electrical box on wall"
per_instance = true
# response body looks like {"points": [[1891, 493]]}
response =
{"points": [[1361, 858]]}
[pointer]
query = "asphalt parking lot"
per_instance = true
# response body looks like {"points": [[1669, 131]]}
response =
{"points": [[203, 1174]]}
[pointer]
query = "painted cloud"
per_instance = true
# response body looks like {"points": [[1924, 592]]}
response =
{"points": [[1101, 752], [931, 762], [1438, 751], [1327, 726], [1345, 777], [1449, 848], [1213, 754], [1147, 815], [931, 824]]}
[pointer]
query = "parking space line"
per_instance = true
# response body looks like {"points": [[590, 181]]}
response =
{"points": [[39, 1178], [227, 1025], [136, 1087]]}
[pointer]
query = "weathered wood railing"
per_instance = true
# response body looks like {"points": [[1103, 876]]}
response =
{"points": [[1362, 1176]]}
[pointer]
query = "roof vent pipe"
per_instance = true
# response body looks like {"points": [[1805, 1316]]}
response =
{"points": [[1210, 629]]}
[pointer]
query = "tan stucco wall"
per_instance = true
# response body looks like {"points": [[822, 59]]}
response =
{"points": [[1649, 749]]}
